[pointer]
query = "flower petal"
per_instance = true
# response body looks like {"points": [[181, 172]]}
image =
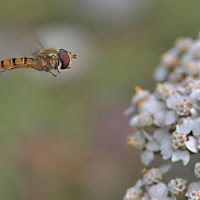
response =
{"points": [[173, 99], [196, 127], [165, 168], [134, 120], [158, 191], [146, 157], [153, 146], [181, 155], [139, 183], [170, 117], [129, 110], [194, 186], [191, 144], [164, 139], [159, 134], [147, 135], [160, 73], [186, 126]]}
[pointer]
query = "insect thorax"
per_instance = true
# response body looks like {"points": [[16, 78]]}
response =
{"points": [[48, 59]]}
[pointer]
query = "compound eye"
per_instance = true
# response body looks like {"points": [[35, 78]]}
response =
{"points": [[64, 58]]}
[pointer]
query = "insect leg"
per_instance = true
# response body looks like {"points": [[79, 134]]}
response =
{"points": [[52, 74], [57, 70]]}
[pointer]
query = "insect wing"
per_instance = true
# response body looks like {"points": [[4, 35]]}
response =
{"points": [[15, 45]]}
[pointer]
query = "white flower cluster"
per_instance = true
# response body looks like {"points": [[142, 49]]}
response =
{"points": [[153, 187], [167, 122]]}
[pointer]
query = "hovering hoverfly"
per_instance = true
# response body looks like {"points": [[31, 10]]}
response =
{"points": [[42, 60]]}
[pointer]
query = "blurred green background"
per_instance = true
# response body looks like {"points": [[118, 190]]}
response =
{"points": [[65, 138]]}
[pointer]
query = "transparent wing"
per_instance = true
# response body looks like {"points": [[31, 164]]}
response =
{"points": [[18, 41]]}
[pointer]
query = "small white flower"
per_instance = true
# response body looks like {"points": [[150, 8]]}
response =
{"points": [[152, 176], [162, 118], [133, 193], [192, 68], [144, 141], [191, 84], [180, 104], [158, 191], [197, 170], [140, 95], [180, 88], [177, 187], [183, 44], [193, 192], [170, 59], [149, 105], [176, 75], [195, 49], [194, 195], [192, 53], [163, 90], [141, 120], [137, 140], [179, 140]]}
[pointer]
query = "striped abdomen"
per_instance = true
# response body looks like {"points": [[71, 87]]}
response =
{"points": [[17, 63]]}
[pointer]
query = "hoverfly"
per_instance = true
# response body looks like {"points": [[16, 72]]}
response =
{"points": [[42, 60]]}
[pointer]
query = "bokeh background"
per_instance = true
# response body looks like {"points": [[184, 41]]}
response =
{"points": [[64, 138]]}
